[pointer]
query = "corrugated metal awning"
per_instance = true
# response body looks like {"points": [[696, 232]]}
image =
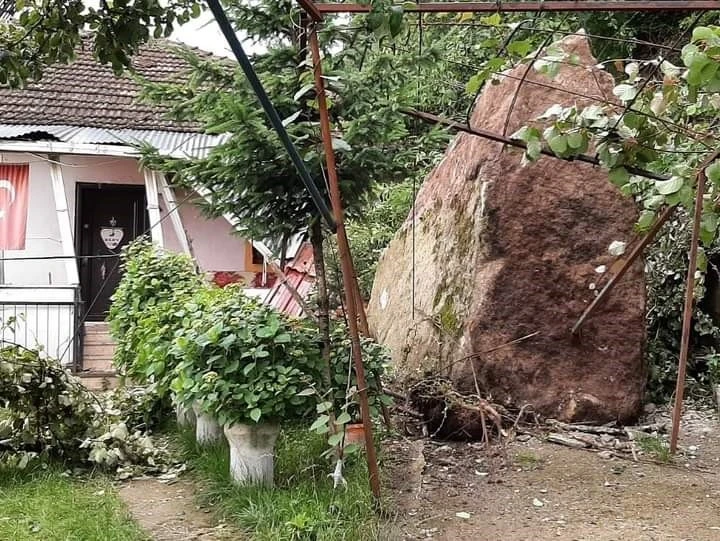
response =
{"points": [[196, 145]]}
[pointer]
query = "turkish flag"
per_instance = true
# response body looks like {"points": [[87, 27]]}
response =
{"points": [[14, 184]]}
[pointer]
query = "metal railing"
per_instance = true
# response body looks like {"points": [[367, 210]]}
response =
{"points": [[43, 318]]}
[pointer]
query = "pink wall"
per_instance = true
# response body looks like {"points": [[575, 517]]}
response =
{"points": [[212, 241]]}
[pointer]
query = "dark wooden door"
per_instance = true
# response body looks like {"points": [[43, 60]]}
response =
{"points": [[109, 217]]}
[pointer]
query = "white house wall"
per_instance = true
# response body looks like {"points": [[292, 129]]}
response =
{"points": [[212, 241], [42, 234]]}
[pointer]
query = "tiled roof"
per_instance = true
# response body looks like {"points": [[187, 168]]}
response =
{"points": [[88, 94]]}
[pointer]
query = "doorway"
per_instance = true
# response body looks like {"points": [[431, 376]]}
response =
{"points": [[107, 218]]}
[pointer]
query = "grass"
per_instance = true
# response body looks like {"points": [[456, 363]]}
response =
{"points": [[49, 506], [528, 460], [656, 448], [303, 504]]}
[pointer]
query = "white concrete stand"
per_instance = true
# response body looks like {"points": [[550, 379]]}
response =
{"points": [[252, 452], [207, 429]]}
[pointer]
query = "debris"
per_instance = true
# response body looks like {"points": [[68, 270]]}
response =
{"points": [[463, 515], [538, 503], [566, 441], [617, 248], [606, 454]]}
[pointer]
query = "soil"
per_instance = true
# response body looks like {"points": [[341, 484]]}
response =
{"points": [[532, 490], [168, 512]]}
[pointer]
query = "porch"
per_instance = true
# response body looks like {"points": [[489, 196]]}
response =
{"points": [[82, 209]]}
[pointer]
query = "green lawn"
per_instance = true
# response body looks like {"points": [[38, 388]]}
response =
{"points": [[303, 505], [47, 506]]}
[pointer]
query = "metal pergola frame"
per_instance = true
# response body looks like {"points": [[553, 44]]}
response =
{"points": [[355, 310], [317, 11]]}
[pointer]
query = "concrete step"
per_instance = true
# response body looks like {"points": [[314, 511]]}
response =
{"points": [[99, 380], [96, 327], [98, 339], [101, 365], [98, 351]]}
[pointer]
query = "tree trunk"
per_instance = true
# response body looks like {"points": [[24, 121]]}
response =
{"points": [[316, 239]]}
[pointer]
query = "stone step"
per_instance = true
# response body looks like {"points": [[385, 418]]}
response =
{"points": [[98, 339], [98, 351], [103, 365], [97, 328], [98, 380]]}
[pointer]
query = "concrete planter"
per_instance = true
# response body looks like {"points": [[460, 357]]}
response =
{"points": [[207, 429], [185, 416], [252, 452]]}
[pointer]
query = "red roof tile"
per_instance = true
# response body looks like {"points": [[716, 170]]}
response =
{"points": [[88, 94]]}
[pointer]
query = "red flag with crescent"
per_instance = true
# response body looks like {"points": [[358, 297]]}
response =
{"points": [[14, 181]]}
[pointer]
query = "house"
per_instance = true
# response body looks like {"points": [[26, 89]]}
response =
{"points": [[72, 194]]}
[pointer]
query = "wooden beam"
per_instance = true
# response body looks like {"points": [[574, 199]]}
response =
{"points": [[153, 208], [63, 218], [514, 7]]}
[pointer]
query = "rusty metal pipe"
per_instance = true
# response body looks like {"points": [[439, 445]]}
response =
{"points": [[513, 7], [349, 286], [689, 302]]}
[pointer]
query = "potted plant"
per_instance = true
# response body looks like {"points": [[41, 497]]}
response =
{"points": [[349, 428], [245, 364]]}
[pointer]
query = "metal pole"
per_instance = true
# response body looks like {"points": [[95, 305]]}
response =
{"points": [[499, 6], [687, 311], [270, 111], [346, 265], [626, 264]]}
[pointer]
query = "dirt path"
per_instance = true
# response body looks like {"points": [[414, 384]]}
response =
{"points": [[168, 512], [541, 491]]}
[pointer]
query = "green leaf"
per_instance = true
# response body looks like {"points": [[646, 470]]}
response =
{"points": [[625, 92], [307, 392], [320, 422], [491, 20], [703, 33], [713, 172], [335, 439], [667, 187], [619, 176], [558, 144], [395, 21], [343, 419], [647, 218], [255, 414]]}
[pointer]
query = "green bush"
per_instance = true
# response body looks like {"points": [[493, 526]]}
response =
{"points": [[144, 311], [242, 361], [376, 359], [47, 415]]}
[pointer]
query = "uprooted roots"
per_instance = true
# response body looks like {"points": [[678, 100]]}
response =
{"points": [[451, 415]]}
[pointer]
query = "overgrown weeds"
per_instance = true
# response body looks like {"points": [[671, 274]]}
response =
{"points": [[656, 448], [303, 504]]}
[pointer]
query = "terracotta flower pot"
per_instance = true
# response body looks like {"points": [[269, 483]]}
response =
{"points": [[207, 429], [252, 452], [355, 433]]}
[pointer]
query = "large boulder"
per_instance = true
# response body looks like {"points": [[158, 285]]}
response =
{"points": [[502, 251]]}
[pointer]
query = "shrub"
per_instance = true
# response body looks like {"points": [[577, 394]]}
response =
{"points": [[242, 361], [48, 415], [144, 311], [376, 359]]}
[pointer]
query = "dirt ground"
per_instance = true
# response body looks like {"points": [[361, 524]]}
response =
{"points": [[534, 490], [168, 512]]}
